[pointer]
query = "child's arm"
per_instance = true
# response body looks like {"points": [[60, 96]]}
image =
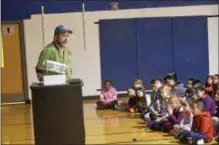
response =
{"points": [[204, 125], [191, 121], [114, 94], [148, 100], [194, 123], [178, 119], [102, 99], [207, 105], [113, 97], [151, 109], [181, 124], [162, 118], [186, 126]]}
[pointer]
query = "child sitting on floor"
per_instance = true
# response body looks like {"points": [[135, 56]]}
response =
{"points": [[189, 91], [215, 118], [175, 114], [202, 127], [153, 108], [177, 87], [136, 100], [209, 104], [136, 97], [194, 97], [209, 85], [215, 83], [185, 124], [108, 97], [162, 103]]}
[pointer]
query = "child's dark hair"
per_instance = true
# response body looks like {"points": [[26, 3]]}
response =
{"points": [[171, 76], [215, 86], [217, 91], [159, 80], [108, 81], [206, 81], [216, 75], [200, 88], [196, 83], [191, 79], [152, 81], [199, 104]]}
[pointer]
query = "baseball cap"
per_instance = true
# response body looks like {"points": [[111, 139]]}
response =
{"points": [[62, 29]]}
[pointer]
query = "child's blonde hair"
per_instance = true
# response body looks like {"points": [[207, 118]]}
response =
{"points": [[138, 81], [166, 89], [177, 100], [187, 108], [188, 111]]}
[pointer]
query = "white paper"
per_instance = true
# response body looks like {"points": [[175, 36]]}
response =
{"points": [[54, 80]]}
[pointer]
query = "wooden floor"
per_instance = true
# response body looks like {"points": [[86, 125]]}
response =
{"points": [[102, 127]]}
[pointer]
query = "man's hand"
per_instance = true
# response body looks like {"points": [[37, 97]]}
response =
{"points": [[40, 77]]}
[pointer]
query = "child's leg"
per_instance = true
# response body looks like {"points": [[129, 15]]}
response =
{"points": [[147, 116], [140, 110], [175, 133], [132, 101], [152, 117], [167, 126], [113, 104], [101, 105], [153, 125], [195, 135]]}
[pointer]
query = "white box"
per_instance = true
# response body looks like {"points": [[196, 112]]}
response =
{"points": [[54, 79]]}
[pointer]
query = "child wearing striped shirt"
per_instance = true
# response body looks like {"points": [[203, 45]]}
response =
{"points": [[165, 94], [153, 107]]}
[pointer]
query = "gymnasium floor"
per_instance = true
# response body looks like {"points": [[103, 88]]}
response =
{"points": [[102, 127]]}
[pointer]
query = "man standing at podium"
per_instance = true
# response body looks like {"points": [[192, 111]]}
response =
{"points": [[56, 51]]}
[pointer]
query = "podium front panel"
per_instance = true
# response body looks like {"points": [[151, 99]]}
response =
{"points": [[58, 114]]}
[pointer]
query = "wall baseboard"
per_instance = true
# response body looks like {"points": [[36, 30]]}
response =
{"points": [[12, 98], [95, 97]]}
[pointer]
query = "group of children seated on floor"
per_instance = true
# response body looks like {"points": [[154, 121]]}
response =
{"points": [[189, 114]]}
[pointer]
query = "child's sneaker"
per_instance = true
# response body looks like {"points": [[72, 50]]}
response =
{"points": [[201, 141], [132, 110]]}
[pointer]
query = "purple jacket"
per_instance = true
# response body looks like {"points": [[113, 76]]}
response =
{"points": [[177, 116], [209, 105]]}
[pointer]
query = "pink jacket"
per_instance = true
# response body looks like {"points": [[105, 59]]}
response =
{"points": [[109, 95]]}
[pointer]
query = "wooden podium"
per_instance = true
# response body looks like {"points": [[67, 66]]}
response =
{"points": [[58, 114]]}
